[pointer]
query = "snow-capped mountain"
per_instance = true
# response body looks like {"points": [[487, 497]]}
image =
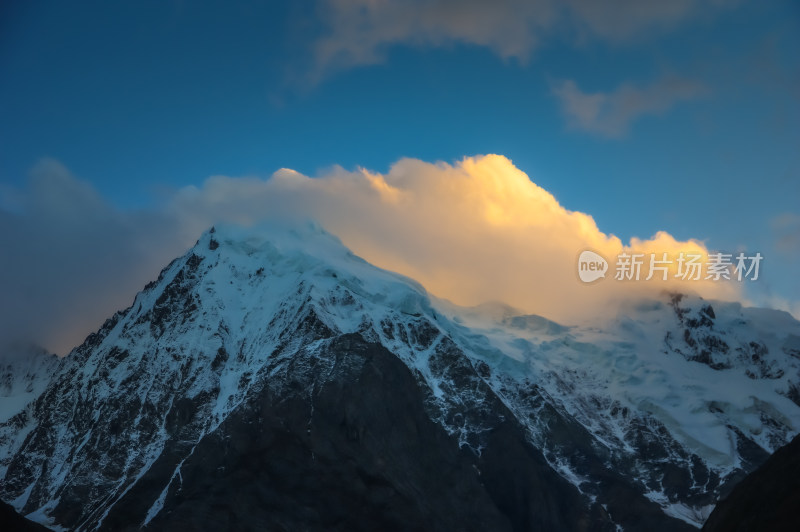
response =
{"points": [[271, 379], [683, 395]]}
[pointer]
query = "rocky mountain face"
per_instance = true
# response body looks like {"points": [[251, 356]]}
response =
{"points": [[269, 379]]}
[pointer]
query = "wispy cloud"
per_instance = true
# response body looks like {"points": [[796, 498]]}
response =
{"points": [[360, 32], [621, 20], [610, 114]]}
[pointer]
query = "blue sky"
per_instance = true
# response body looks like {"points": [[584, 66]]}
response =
{"points": [[682, 117]]}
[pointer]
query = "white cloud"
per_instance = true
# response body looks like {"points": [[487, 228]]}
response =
{"points": [[611, 114]]}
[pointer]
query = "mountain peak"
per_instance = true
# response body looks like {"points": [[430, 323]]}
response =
{"points": [[272, 348]]}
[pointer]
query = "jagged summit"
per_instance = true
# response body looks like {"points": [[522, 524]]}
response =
{"points": [[330, 394]]}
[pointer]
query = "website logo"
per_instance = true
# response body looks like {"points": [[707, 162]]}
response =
{"points": [[591, 266]]}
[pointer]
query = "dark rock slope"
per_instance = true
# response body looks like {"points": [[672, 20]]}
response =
{"points": [[361, 453], [14, 522], [767, 499]]}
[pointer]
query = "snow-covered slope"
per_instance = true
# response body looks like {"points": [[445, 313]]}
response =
{"points": [[680, 393], [649, 415], [24, 374]]}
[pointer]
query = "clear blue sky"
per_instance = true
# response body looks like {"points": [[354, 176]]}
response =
{"points": [[682, 118]]}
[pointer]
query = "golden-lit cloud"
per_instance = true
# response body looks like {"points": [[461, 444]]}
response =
{"points": [[475, 231]]}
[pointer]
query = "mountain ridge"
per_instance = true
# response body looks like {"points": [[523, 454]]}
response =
{"points": [[243, 317]]}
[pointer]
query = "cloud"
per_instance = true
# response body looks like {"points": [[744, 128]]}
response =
{"points": [[610, 114], [620, 20], [470, 232], [360, 32], [70, 260]]}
